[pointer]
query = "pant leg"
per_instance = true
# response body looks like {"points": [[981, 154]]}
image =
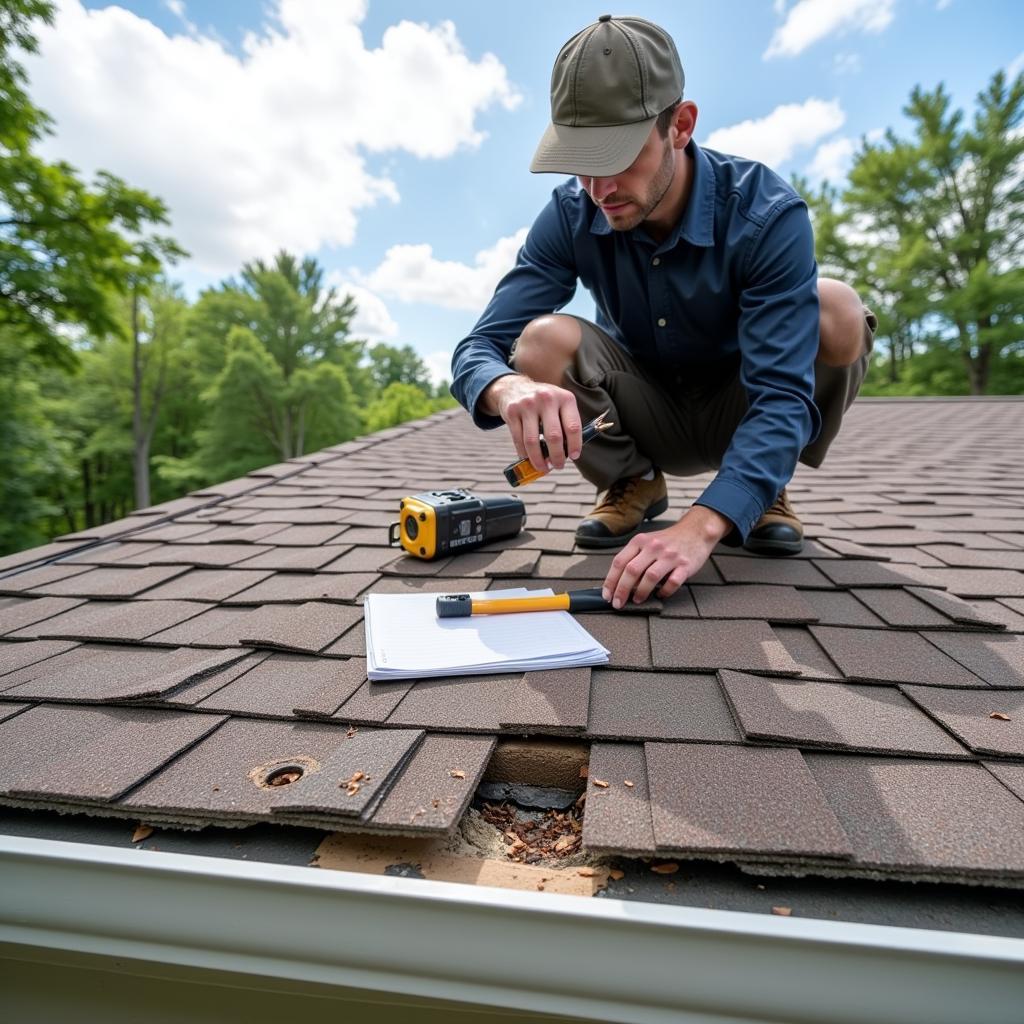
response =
{"points": [[835, 388], [651, 422]]}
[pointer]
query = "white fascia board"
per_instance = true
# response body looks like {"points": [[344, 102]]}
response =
{"points": [[601, 959]]}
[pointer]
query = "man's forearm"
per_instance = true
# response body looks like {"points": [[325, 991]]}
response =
{"points": [[489, 402]]}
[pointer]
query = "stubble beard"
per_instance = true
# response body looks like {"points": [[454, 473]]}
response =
{"points": [[655, 193]]}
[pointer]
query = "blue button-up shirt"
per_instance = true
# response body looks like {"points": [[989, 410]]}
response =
{"points": [[735, 282]]}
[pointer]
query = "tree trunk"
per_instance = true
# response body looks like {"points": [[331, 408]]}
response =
{"points": [[978, 368], [140, 452], [90, 510]]}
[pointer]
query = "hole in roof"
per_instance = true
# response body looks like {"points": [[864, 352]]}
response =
{"points": [[283, 772], [285, 776]]}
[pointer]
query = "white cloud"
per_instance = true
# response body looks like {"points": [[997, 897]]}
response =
{"points": [[812, 20], [941, 5], [832, 159], [440, 366], [846, 63], [412, 273], [267, 148], [373, 321], [1015, 67], [775, 138]]}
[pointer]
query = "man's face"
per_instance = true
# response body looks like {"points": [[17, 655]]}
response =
{"points": [[629, 198]]}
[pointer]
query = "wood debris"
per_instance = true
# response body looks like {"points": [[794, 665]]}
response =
{"points": [[669, 868], [782, 911], [601, 783], [628, 783], [457, 773], [548, 835], [616, 875], [999, 716], [142, 832], [352, 730], [584, 770]]}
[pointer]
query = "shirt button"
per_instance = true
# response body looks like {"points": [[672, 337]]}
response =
{"points": [[662, 322], [656, 261]]}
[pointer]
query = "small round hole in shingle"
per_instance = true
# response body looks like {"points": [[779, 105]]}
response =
{"points": [[285, 776]]}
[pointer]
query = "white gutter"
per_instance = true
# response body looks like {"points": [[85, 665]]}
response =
{"points": [[603, 959]]}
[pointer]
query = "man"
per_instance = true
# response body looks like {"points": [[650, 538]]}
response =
{"points": [[715, 346]]}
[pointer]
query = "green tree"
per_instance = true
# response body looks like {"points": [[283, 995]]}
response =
{"points": [[67, 247], [397, 404], [259, 414], [931, 230], [392, 365]]}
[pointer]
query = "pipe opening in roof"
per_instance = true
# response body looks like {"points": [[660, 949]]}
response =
{"points": [[283, 772]]}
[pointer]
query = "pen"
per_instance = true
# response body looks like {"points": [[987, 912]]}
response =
{"points": [[524, 472]]}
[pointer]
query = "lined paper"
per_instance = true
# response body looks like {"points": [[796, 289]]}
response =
{"points": [[405, 639]]}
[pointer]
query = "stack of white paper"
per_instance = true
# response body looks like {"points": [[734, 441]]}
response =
{"points": [[405, 639]]}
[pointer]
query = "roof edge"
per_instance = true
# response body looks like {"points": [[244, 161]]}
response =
{"points": [[423, 938]]}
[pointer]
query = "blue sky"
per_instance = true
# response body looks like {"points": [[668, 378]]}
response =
{"points": [[392, 139]]}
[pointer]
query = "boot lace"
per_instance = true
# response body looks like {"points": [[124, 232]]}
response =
{"points": [[618, 493], [781, 506]]}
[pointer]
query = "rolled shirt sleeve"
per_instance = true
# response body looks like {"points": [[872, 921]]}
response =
{"points": [[543, 280], [778, 342]]}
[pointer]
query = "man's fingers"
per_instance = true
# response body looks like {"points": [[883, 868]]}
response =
{"points": [[675, 579], [554, 436], [572, 426]]}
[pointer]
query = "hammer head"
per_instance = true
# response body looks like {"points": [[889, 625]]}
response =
{"points": [[454, 606]]}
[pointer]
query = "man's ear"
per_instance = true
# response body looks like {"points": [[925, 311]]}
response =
{"points": [[684, 121]]}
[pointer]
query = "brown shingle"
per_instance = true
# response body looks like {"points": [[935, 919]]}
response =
{"points": [[980, 582], [205, 585], [289, 685], [14, 656], [924, 816], [877, 655], [10, 709], [119, 621], [428, 797], [91, 754], [27, 581], [294, 588], [296, 559], [373, 702], [955, 608], [618, 818], [753, 601], [1010, 775], [549, 702], [123, 673], [968, 715], [715, 799], [625, 637], [796, 572], [868, 718], [224, 777], [306, 627], [901, 609], [705, 646], [999, 660], [18, 612], [659, 705], [209, 556], [458, 704], [353, 779], [861, 573], [114, 581], [840, 608]]}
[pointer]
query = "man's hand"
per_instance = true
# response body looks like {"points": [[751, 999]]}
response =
{"points": [[530, 408], [670, 556]]}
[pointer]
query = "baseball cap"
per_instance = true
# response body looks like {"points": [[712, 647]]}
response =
{"points": [[608, 85]]}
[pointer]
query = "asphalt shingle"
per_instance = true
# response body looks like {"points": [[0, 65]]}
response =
{"points": [[549, 702], [715, 799], [988, 722], [618, 816], [705, 646], [809, 714]]}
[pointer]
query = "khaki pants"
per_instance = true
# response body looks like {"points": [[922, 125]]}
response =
{"points": [[683, 425]]}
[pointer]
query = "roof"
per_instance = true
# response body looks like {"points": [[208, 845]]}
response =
{"points": [[857, 710]]}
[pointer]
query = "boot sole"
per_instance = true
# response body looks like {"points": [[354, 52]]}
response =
{"points": [[653, 511]]}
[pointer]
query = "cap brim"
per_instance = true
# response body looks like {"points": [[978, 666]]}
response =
{"points": [[598, 152]]}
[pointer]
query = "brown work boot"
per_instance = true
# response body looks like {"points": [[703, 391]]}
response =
{"points": [[778, 531], [619, 513]]}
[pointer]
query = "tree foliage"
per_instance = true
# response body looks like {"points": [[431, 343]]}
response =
{"points": [[67, 247], [930, 229]]}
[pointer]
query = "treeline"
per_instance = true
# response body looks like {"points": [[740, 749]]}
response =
{"points": [[115, 391], [929, 227]]}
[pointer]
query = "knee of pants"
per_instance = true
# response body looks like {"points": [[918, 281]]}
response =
{"points": [[842, 331], [546, 347]]}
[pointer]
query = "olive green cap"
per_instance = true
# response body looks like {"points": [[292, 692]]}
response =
{"points": [[608, 85]]}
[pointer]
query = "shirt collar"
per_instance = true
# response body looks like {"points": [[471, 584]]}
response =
{"points": [[697, 224]]}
